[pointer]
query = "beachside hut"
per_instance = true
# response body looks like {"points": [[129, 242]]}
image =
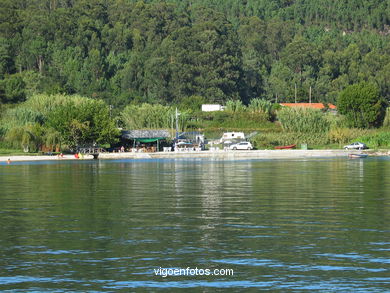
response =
{"points": [[149, 139]]}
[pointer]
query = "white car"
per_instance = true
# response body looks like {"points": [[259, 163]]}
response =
{"points": [[245, 145], [356, 146]]}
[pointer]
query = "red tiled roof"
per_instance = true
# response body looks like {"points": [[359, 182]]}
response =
{"points": [[309, 105]]}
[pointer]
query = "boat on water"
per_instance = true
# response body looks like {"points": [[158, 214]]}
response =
{"points": [[285, 147], [357, 156]]}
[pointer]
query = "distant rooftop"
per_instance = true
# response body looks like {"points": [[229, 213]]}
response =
{"points": [[133, 134], [309, 105]]}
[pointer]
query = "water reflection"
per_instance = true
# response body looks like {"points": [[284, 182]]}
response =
{"points": [[281, 225]]}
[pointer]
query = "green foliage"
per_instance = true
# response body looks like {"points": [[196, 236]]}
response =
{"points": [[52, 138], [45, 120], [148, 116], [303, 120], [376, 139], [36, 109], [235, 106], [262, 106], [362, 105], [20, 117], [268, 140], [5, 57], [188, 53], [165, 51], [299, 54], [343, 135], [83, 123], [336, 121], [192, 104], [28, 137], [386, 121], [45, 104], [12, 89], [233, 121]]}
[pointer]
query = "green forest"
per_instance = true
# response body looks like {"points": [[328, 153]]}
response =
{"points": [[187, 52], [125, 51]]}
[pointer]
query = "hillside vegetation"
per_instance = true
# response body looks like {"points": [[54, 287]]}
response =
{"points": [[126, 51], [72, 71]]}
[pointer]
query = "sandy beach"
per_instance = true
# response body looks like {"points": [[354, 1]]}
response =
{"points": [[230, 155]]}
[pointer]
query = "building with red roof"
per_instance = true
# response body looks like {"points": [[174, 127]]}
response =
{"points": [[309, 105]]}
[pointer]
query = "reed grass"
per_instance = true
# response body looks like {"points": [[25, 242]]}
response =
{"points": [[271, 139], [303, 120], [343, 135], [234, 106], [261, 106], [376, 139], [152, 116]]}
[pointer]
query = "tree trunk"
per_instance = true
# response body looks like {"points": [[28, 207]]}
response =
{"points": [[40, 63]]}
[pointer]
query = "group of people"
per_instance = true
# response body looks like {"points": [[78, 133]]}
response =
{"points": [[79, 156]]}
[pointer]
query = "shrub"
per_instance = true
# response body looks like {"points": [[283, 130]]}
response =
{"points": [[28, 137], [342, 135], [362, 105], [45, 119], [376, 139], [83, 123]]}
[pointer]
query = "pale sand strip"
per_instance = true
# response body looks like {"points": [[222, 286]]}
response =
{"points": [[230, 155], [40, 158]]}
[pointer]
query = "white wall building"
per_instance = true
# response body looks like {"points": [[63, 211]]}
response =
{"points": [[212, 107]]}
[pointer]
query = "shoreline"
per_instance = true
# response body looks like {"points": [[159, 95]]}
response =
{"points": [[230, 155]]}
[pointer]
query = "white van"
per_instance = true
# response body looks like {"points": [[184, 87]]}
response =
{"points": [[232, 136]]}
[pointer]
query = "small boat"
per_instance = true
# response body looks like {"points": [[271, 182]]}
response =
{"points": [[285, 147], [357, 156]]}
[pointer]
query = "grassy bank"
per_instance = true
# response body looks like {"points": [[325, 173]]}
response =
{"points": [[50, 122], [15, 152]]}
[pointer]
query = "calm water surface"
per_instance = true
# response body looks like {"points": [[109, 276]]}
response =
{"points": [[282, 226]]}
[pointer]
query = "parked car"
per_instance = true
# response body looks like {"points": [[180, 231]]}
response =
{"points": [[356, 146], [245, 145]]}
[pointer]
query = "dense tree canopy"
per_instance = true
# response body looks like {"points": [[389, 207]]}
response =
{"points": [[127, 51], [362, 105]]}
